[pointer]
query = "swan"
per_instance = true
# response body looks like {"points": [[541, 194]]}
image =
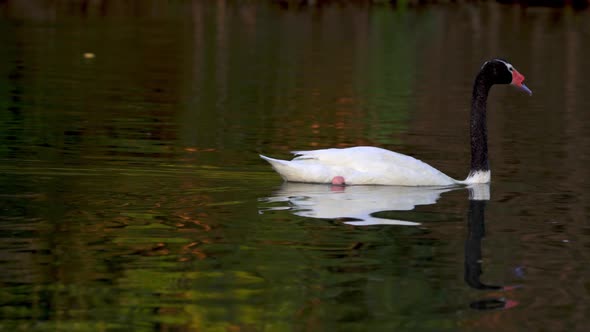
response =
{"points": [[365, 165]]}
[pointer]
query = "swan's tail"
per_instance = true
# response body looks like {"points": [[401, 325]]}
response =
{"points": [[281, 166], [300, 170]]}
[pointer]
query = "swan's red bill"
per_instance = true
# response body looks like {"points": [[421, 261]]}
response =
{"points": [[517, 79]]}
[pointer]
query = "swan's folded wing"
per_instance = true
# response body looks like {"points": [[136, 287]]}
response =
{"points": [[359, 165], [362, 158], [302, 170]]}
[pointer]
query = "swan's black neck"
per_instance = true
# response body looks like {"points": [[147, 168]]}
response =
{"points": [[478, 129]]}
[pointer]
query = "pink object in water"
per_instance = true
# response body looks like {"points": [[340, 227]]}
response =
{"points": [[338, 181], [510, 304]]}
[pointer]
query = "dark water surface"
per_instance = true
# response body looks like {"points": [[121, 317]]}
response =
{"points": [[132, 196]]}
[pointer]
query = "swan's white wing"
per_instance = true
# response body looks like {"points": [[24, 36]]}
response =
{"points": [[359, 165]]}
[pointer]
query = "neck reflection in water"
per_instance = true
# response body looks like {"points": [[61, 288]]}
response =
{"points": [[360, 206], [473, 252]]}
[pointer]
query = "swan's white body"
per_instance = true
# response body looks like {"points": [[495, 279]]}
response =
{"points": [[364, 165]]}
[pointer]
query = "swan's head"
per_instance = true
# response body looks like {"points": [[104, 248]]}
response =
{"points": [[502, 72]]}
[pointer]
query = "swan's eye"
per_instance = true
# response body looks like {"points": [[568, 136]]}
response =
{"points": [[511, 68]]}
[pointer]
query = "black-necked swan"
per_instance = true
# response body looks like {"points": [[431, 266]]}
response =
{"points": [[364, 165]]}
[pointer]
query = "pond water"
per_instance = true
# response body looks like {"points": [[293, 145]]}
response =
{"points": [[132, 196]]}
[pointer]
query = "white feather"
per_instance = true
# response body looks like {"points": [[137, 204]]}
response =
{"points": [[478, 177]]}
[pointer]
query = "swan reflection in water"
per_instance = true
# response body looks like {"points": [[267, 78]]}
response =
{"points": [[355, 204], [358, 205]]}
